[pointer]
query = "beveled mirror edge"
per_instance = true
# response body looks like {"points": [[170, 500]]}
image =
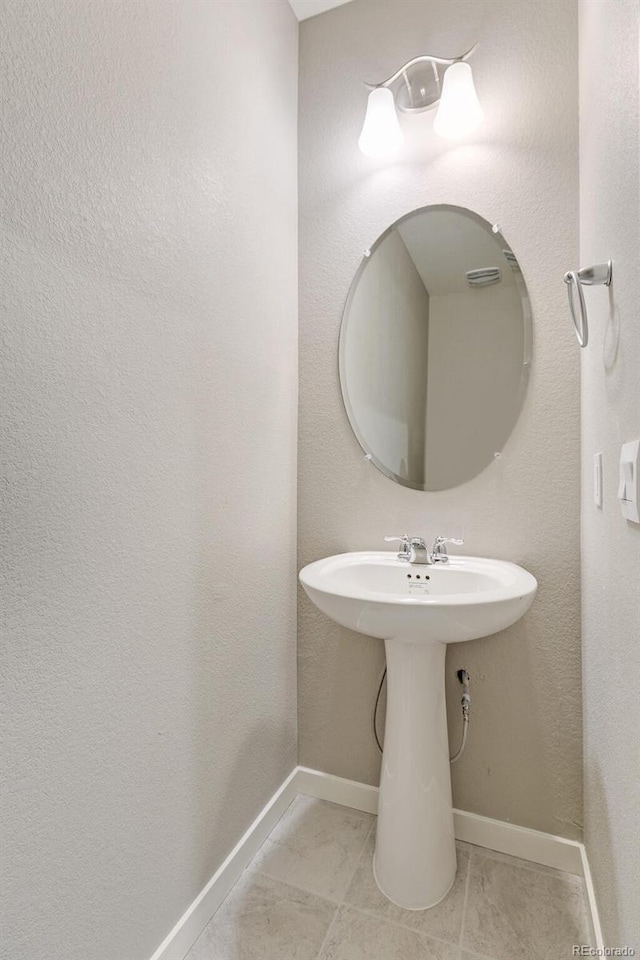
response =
{"points": [[527, 317]]}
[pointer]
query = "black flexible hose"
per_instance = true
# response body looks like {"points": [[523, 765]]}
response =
{"points": [[375, 710]]}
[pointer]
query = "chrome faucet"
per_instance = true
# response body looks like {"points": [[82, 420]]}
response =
{"points": [[439, 553], [413, 549]]}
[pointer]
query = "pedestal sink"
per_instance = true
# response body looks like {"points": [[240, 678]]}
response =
{"points": [[417, 609]]}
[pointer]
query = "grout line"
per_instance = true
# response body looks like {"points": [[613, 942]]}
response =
{"points": [[264, 872], [400, 925], [472, 854], [298, 886], [478, 956], [358, 861], [326, 936], [341, 903]]}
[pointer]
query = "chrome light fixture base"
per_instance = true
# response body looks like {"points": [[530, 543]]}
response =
{"points": [[420, 89], [418, 86]]}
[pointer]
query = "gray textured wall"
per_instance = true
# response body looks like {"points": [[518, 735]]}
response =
{"points": [[610, 228], [148, 203], [523, 761]]}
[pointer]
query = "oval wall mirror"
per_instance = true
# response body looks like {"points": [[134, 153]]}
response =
{"points": [[435, 348]]}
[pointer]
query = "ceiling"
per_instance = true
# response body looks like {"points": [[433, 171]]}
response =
{"points": [[304, 9]]}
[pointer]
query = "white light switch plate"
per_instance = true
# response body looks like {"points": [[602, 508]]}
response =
{"points": [[629, 484]]}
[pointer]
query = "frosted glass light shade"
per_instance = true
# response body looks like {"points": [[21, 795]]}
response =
{"points": [[459, 111], [381, 134]]}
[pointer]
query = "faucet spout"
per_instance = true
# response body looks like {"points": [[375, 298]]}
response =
{"points": [[419, 552]]}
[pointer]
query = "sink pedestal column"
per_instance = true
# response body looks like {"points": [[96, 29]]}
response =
{"points": [[415, 858]]}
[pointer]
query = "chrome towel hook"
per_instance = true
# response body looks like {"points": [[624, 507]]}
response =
{"points": [[588, 277]]}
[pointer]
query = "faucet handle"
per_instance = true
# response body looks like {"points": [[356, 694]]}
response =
{"points": [[439, 552], [405, 549]]}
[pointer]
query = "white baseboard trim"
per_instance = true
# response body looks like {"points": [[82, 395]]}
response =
{"points": [[594, 917], [193, 921], [348, 793], [532, 845], [522, 842]]}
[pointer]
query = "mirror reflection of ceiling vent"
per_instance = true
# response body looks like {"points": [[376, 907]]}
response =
{"points": [[511, 260], [483, 276]]}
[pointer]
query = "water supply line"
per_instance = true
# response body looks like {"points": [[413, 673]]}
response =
{"points": [[465, 702]]}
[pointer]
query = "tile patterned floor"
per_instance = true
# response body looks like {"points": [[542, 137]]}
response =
{"points": [[309, 894]]}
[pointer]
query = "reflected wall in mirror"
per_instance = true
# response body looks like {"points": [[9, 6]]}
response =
{"points": [[435, 348]]}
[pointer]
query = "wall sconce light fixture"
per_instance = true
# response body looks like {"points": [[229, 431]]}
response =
{"points": [[422, 83]]}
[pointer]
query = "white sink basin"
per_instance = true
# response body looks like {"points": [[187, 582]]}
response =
{"points": [[377, 594], [417, 609]]}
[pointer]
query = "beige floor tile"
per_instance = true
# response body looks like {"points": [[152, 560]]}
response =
{"points": [[444, 921], [263, 919], [517, 912], [360, 936], [315, 846]]}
